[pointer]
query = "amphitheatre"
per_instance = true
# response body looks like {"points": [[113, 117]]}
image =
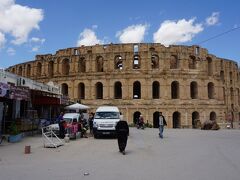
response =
{"points": [[185, 83]]}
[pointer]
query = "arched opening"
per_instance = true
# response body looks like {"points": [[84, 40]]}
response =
{"points": [[211, 90], [81, 91], [230, 77], [231, 94], [195, 118], [155, 90], [118, 90], [136, 62], [50, 69], [99, 64], [82, 65], [99, 90], [65, 67], [65, 89], [175, 90], [173, 62], [28, 70], [213, 116], [210, 66], [194, 90], [136, 90], [222, 76], [176, 120], [20, 71], [136, 116], [39, 69], [192, 62], [118, 62], [155, 61], [156, 119], [13, 70]]}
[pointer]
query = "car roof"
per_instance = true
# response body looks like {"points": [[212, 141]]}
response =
{"points": [[107, 109], [71, 115]]}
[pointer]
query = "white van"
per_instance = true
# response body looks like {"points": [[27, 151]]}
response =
{"points": [[105, 120]]}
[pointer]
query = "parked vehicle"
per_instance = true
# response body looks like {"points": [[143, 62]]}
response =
{"points": [[69, 118], [105, 120]]}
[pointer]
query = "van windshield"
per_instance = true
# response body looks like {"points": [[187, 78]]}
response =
{"points": [[107, 115], [68, 120]]}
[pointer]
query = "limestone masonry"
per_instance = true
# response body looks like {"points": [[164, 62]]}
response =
{"points": [[185, 83]]}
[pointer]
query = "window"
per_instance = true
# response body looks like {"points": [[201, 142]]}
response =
{"points": [[99, 90], [135, 49], [65, 89], [175, 90], [65, 67], [39, 69], [194, 90], [82, 65], [136, 90], [211, 90], [192, 62], [155, 61], [173, 62], [99, 64], [210, 66], [136, 62], [118, 63], [81, 91], [155, 90], [118, 90], [50, 69], [28, 70]]}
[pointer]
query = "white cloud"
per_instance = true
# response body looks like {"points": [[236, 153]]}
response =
{"points": [[173, 32], [18, 21], [2, 40], [37, 40], [132, 34], [213, 19], [11, 51], [88, 38], [35, 49]]}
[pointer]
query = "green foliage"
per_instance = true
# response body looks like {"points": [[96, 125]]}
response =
{"points": [[13, 129], [131, 125]]}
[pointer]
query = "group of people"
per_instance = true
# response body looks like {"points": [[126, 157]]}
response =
{"points": [[82, 126], [122, 128]]}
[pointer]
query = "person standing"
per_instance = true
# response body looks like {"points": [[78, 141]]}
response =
{"points": [[122, 130], [90, 122], [162, 123]]}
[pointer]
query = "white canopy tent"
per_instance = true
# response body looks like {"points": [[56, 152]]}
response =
{"points": [[77, 107]]}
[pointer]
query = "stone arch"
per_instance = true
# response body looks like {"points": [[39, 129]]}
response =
{"points": [[192, 62], [213, 116], [222, 76], [20, 71], [51, 68], [194, 90], [175, 90], [231, 94], [176, 119], [13, 70], [64, 87], [156, 119], [210, 66], [136, 116], [118, 90], [230, 76], [174, 62], [155, 61], [136, 90], [136, 62], [195, 117], [118, 62], [81, 91], [28, 70], [65, 67], [39, 69], [211, 90], [155, 90], [99, 90], [82, 65], [99, 64]]}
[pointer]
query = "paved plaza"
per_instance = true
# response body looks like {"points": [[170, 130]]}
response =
{"points": [[183, 154]]}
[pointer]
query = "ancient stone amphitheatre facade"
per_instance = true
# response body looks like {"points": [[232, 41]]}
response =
{"points": [[184, 82]]}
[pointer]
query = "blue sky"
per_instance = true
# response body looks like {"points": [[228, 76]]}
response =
{"points": [[28, 27]]}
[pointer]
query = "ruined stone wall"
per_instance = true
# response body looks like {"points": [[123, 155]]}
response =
{"points": [[189, 82]]}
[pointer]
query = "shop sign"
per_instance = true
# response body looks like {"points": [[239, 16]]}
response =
{"points": [[19, 93]]}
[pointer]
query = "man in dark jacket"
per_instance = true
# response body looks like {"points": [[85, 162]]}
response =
{"points": [[122, 130], [162, 123]]}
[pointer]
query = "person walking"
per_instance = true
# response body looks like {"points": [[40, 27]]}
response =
{"points": [[162, 123], [122, 130]]}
